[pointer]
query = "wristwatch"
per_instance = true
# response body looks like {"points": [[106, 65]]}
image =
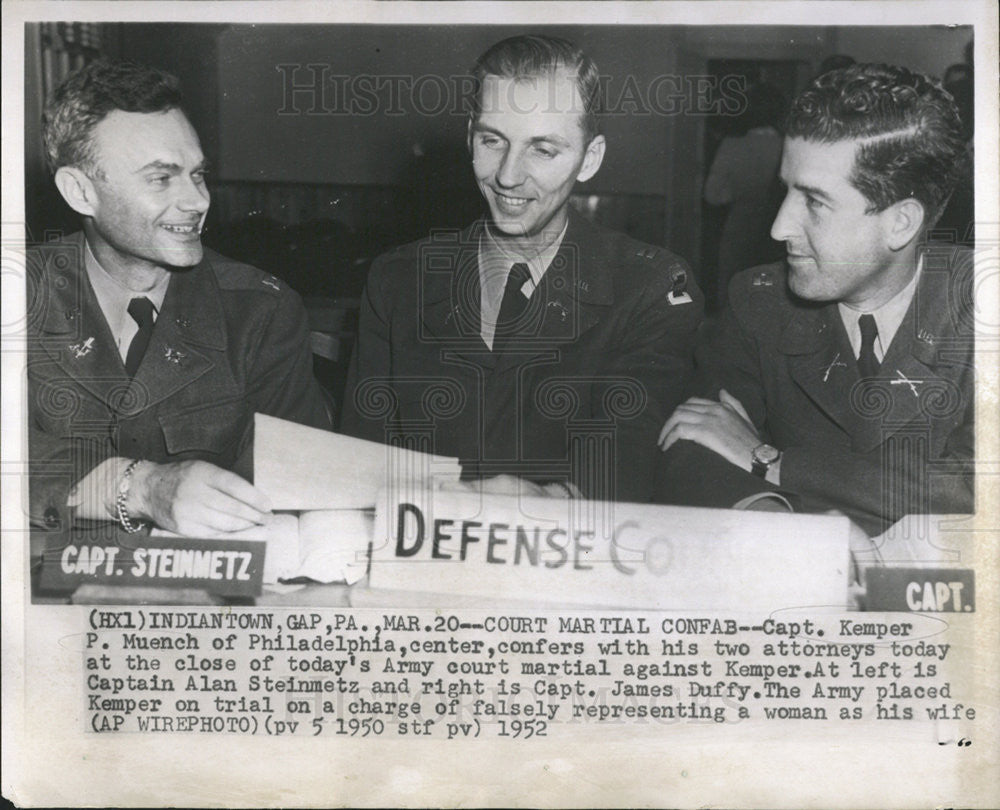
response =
{"points": [[762, 457]]}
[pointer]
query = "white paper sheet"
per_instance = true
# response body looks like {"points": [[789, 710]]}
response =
{"points": [[303, 468], [333, 544], [325, 546]]}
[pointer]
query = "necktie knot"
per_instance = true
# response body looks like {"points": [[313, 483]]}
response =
{"points": [[517, 277], [868, 365], [141, 309]]}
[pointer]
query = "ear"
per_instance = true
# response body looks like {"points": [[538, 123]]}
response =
{"points": [[592, 158], [77, 189], [904, 220]]}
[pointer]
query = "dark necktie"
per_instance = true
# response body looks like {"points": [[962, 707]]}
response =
{"points": [[512, 306], [141, 310], [867, 364]]}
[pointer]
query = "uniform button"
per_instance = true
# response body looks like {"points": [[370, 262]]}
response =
{"points": [[51, 517]]}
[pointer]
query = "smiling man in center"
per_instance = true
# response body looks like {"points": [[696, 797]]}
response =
{"points": [[533, 343]]}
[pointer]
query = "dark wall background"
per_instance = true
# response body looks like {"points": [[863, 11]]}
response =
{"points": [[385, 178], [377, 148]]}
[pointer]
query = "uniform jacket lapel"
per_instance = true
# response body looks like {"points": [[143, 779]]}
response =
{"points": [[450, 298], [574, 294], [916, 366], [73, 330], [192, 321], [77, 336], [822, 363]]}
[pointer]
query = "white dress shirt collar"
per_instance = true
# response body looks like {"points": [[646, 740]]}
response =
{"points": [[888, 317], [495, 262], [113, 298]]}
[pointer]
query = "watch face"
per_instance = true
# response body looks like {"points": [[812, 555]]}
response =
{"points": [[766, 454]]}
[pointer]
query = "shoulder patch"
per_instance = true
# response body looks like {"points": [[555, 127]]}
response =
{"points": [[678, 287]]}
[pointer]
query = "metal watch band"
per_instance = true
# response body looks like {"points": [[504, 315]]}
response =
{"points": [[123, 488]]}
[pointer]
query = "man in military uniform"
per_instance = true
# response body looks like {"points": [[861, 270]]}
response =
{"points": [[148, 356], [533, 343], [843, 376]]}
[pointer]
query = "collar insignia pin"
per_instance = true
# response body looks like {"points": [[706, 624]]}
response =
{"points": [[183, 323], [270, 281], [904, 380], [173, 355], [836, 362], [926, 337], [71, 313], [82, 349]]}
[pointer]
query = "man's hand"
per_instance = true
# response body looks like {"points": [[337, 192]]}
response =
{"points": [[723, 427], [513, 485], [192, 497]]}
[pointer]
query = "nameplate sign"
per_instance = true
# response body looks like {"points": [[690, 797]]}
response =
{"points": [[921, 590], [223, 567], [593, 553]]}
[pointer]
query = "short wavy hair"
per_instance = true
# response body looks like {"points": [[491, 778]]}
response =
{"points": [[908, 130], [531, 55], [88, 95]]}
